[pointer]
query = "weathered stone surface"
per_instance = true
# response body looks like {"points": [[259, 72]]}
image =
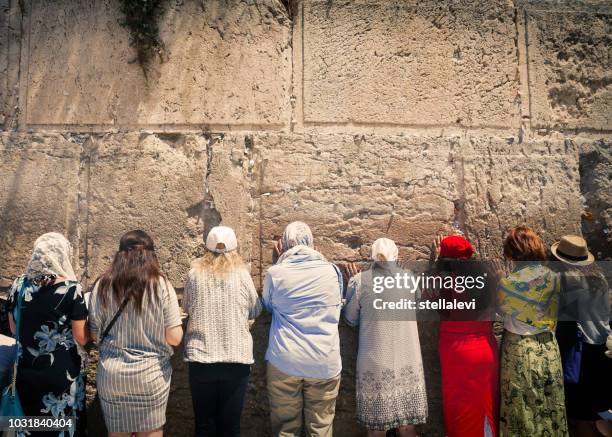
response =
{"points": [[227, 63], [536, 184], [4, 55], [596, 189], [39, 186], [228, 198], [570, 69], [354, 189], [149, 182], [431, 63], [597, 6]]}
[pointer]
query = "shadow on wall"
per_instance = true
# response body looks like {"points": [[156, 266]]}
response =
{"points": [[595, 187], [6, 211]]}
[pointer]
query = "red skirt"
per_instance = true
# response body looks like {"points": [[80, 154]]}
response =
{"points": [[469, 360]]}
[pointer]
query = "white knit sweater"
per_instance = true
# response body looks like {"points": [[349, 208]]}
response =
{"points": [[219, 310]]}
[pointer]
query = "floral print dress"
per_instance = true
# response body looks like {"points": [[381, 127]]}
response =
{"points": [[50, 381]]}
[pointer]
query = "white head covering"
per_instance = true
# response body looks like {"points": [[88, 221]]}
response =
{"points": [[386, 248], [51, 256], [297, 234], [221, 239]]}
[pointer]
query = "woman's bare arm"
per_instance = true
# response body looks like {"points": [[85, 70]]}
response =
{"points": [[174, 335], [12, 325], [80, 332]]}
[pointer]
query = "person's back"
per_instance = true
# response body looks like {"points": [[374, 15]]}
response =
{"points": [[138, 334], [219, 309], [134, 315], [303, 292], [47, 315], [582, 332], [304, 296], [390, 382], [221, 301]]}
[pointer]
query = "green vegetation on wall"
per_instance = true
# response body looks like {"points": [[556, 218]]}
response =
{"points": [[141, 18]]}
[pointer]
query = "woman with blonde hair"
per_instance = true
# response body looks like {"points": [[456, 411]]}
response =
{"points": [[532, 399], [390, 380], [220, 300]]}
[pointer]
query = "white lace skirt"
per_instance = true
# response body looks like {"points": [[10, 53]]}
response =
{"points": [[390, 379]]}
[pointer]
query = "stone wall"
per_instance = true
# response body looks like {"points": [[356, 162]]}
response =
{"points": [[363, 118]]}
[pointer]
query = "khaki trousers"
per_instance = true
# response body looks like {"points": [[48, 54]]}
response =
{"points": [[301, 402]]}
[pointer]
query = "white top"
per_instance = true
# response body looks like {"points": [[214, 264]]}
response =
{"points": [[520, 328], [219, 310]]}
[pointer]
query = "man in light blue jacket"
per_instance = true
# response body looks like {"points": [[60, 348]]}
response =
{"points": [[303, 291]]}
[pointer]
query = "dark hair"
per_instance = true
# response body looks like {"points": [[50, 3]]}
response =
{"points": [[524, 244], [134, 272], [484, 298]]}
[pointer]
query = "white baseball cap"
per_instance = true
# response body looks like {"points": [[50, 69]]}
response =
{"points": [[221, 239]]}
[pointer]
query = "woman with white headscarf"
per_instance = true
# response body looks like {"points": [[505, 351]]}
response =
{"points": [[53, 318], [390, 380]]}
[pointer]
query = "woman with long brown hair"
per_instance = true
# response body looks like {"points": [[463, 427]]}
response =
{"points": [[532, 399], [135, 316]]}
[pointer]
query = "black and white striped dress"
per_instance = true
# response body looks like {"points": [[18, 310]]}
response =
{"points": [[134, 371]]}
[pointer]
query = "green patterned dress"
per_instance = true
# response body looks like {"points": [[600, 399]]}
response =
{"points": [[532, 397]]}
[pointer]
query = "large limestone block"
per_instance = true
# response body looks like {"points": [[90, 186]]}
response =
{"points": [[416, 63], [570, 69], [39, 186], [149, 182], [228, 198], [507, 185], [354, 189], [226, 63]]}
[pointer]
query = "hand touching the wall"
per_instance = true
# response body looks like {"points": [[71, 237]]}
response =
{"points": [[351, 269]]}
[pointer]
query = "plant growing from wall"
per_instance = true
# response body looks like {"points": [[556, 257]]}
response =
{"points": [[141, 18]]}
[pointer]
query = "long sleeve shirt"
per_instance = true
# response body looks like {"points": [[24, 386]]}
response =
{"points": [[304, 295], [219, 310]]}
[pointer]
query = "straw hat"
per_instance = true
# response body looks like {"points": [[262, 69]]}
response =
{"points": [[573, 250]]}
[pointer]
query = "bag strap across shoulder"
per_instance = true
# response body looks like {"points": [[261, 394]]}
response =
{"points": [[113, 320]]}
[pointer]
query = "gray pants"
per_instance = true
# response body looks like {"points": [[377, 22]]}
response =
{"points": [[301, 402]]}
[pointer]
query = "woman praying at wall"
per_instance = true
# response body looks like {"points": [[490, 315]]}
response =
{"points": [[532, 398], [582, 333], [220, 300], [469, 359], [136, 318], [390, 380], [48, 303]]}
